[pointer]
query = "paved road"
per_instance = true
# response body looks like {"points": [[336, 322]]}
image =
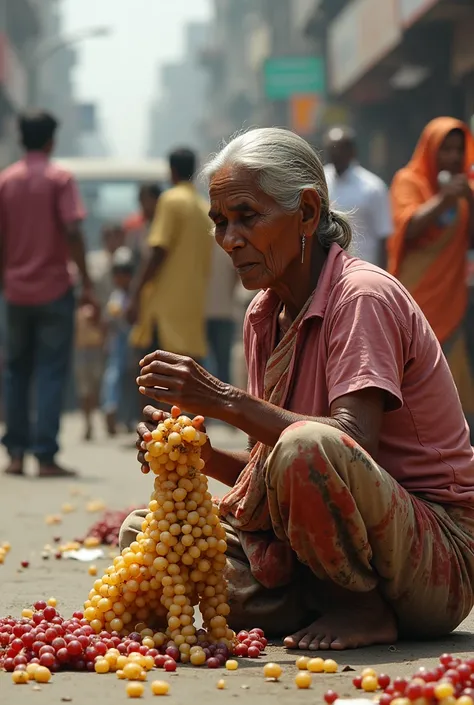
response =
{"points": [[109, 472]]}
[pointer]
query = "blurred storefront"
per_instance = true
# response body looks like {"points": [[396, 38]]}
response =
{"points": [[394, 65], [19, 26]]}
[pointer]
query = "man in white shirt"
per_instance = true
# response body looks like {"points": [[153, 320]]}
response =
{"points": [[362, 194]]}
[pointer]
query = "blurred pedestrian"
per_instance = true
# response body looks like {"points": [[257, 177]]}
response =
{"points": [[119, 387], [137, 226], [355, 189], [100, 261], [88, 362], [40, 226], [169, 295], [433, 206], [220, 313]]}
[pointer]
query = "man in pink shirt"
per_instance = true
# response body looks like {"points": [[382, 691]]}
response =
{"points": [[40, 231]]}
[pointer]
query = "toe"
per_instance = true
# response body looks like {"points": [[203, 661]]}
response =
{"points": [[325, 642], [305, 642], [316, 643], [291, 642]]}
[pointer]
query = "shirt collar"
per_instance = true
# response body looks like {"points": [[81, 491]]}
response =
{"points": [[348, 172], [268, 301], [36, 156]]}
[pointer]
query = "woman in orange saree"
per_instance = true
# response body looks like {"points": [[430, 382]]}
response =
{"points": [[433, 210]]}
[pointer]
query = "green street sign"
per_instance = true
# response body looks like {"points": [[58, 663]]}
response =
{"points": [[292, 75]]}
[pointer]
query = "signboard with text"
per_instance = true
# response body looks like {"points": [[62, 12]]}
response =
{"points": [[287, 76]]}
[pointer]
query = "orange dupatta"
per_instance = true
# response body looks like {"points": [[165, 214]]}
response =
{"points": [[433, 268]]}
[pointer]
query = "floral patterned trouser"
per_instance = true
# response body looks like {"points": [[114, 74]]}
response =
{"points": [[347, 521]]}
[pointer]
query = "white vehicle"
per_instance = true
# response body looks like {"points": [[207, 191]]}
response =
{"points": [[109, 188]]}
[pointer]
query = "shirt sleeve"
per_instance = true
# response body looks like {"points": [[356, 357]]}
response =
{"points": [[381, 212], [366, 348], [165, 226], [70, 204]]}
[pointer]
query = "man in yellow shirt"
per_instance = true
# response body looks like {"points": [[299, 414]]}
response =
{"points": [[168, 302]]}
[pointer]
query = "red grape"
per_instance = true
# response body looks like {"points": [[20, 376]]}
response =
{"points": [[400, 684], [330, 697], [445, 659], [385, 699], [384, 680], [413, 691], [62, 655], [47, 659], [74, 647]]}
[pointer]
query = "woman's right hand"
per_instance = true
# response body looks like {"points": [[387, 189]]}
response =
{"points": [[151, 418]]}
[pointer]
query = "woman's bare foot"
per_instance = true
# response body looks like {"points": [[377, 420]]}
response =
{"points": [[360, 619]]}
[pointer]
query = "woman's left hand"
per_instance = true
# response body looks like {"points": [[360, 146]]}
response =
{"points": [[179, 380]]}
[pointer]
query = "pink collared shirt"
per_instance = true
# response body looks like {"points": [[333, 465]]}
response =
{"points": [[37, 200], [363, 329]]}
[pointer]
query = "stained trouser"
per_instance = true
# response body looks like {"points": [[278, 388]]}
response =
{"points": [[345, 520]]}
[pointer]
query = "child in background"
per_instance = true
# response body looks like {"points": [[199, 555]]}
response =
{"points": [[119, 384], [88, 362]]}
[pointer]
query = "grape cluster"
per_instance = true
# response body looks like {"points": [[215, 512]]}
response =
{"points": [[177, 560], [451, 682]]}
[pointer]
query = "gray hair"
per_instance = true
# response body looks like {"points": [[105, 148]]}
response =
{"points": [[285, 165]]}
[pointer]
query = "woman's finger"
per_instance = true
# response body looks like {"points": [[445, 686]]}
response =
{"points": [[144, 428], [141, 458], [160, 355], [154, 415], [161, 395], [154, 380]]}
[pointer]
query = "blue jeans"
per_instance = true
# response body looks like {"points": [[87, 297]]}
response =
{"points": [[38, 351], [119, 387], [220, 336]]}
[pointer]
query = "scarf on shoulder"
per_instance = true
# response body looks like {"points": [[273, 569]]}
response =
{"points": [[245, 506]]}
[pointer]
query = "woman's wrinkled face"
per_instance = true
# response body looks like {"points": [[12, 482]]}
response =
{"points": [[451, 154], [261, 238]]}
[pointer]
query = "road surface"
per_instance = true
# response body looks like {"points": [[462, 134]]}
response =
{"points": [[109, 472]]}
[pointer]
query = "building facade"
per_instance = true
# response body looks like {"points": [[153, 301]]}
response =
{"points": [[19, 31], [394, 65], [177, 112]]}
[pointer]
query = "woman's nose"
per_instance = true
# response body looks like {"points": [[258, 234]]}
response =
{"points": [[232, 239]]}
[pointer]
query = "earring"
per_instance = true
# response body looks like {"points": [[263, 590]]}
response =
{"points": [[303, 245]]}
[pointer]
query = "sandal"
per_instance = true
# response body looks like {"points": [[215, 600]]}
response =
{"points": [[54, 470]]}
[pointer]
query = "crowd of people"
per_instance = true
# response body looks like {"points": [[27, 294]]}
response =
{"points": [[161, 281]]}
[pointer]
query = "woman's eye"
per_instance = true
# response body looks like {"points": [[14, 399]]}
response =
{"points": [[220, 223], [246, 217]]}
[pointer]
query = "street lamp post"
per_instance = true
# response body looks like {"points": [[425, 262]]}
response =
{"points": [[47, 50]]}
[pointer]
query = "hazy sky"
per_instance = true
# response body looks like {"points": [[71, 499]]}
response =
{"points": [[120, 71]]}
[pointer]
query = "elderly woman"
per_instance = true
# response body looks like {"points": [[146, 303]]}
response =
{"points": [[350, 519]]}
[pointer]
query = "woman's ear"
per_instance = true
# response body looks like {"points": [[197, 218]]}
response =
{"points": [[310, 211]]}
